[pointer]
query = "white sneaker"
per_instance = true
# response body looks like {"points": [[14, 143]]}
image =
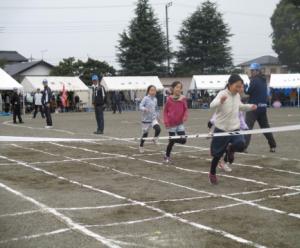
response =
{"points": [[224, 166], [48, 127], [141, 149]]}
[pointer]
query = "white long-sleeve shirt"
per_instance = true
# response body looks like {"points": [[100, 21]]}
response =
{"points": [[227, 114], [38, 98]]}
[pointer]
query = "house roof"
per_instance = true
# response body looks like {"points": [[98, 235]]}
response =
{"points": [[12, 56], [13, 69], [263, 60]]}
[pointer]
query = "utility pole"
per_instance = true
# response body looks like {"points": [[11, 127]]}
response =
{"points": [[167, 32], [42, 52]]}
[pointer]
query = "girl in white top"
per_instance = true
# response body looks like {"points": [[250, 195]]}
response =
{"points": [[227, 105]]}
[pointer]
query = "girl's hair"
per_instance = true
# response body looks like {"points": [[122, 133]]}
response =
{"points": [[149, 87], [233, 79], [174, 84]]}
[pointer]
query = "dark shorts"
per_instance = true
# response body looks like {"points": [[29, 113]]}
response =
{"points": [[219, 144]]}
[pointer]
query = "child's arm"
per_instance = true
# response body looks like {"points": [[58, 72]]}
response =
{"points": [[247, 107], [212, 121], [186, 112], [218, 101], [243, 123], [142, 105], [166, 120]]}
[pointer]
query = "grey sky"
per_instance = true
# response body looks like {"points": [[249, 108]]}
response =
{"points": [[83, 28]]}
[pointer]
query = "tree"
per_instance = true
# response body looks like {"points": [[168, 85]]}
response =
{"points": [[204, 43], [285, 22], [72, 67], [142, 50]]}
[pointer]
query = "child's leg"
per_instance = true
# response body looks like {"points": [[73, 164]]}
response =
{"points": [[237, 145], [218, 147], [181, 140], [214, 164], [145, 135], [157, 130], [170, 145]]}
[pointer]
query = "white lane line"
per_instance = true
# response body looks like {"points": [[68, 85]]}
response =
{"points": [[68, 160], [186, 187], [96, 207], [9, 123], [34, 236], [131, 222], [147, 219], [20, 213], [162, 212], [36, 150], [60, 216]]}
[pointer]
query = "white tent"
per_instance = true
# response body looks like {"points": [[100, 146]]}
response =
{"points": [[283, 81], [56, 84], [131, 83], [7, 82], [212, 82]]}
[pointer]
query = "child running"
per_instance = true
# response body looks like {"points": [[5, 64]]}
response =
{"points": [[175, 114], [227, 104], [150, 116], [224, 164]]}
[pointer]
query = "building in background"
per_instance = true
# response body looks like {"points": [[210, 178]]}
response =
{"points": [[270, 65], [35, 68], [11, 57]]}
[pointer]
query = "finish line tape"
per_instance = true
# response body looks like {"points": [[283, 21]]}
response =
{"points": [[193, 136]]}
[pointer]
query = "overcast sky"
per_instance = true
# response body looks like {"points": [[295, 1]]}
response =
{"points": [[90, 28]]}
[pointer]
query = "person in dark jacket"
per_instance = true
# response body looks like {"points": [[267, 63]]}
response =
{"points": [[16, 106], [46, 101], [258, 94], [116, 102], [99, 102]]}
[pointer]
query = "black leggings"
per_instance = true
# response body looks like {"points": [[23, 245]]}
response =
{"points": [[145, 135], [173, 141]]}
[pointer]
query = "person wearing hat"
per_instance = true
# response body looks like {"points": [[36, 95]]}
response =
{"points": [[16, 106], [258, 94], [46, 100], [38, 103], [99, 102]]}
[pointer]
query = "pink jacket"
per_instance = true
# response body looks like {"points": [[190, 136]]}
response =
{"points": [[175, 112]]}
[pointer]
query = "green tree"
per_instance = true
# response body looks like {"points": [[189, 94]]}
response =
{"points": [[72, 67], [204, 43], [286, 33], [142, 50]]}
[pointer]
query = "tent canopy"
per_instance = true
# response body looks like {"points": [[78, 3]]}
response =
{"points": [[281, 81], [212, 82], [131, 83], [55, 83], [7, 82]]}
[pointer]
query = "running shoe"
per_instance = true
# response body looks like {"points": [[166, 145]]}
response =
{"points": [[224, 166], [141, 149], [213, 179]]}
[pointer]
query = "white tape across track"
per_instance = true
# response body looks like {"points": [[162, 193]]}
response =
{"points": [[192, 136]]}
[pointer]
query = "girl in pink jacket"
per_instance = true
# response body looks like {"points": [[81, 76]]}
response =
{"points": [[175, 114]]}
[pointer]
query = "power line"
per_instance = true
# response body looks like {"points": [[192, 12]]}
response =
{"points": [[69, 7]]}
